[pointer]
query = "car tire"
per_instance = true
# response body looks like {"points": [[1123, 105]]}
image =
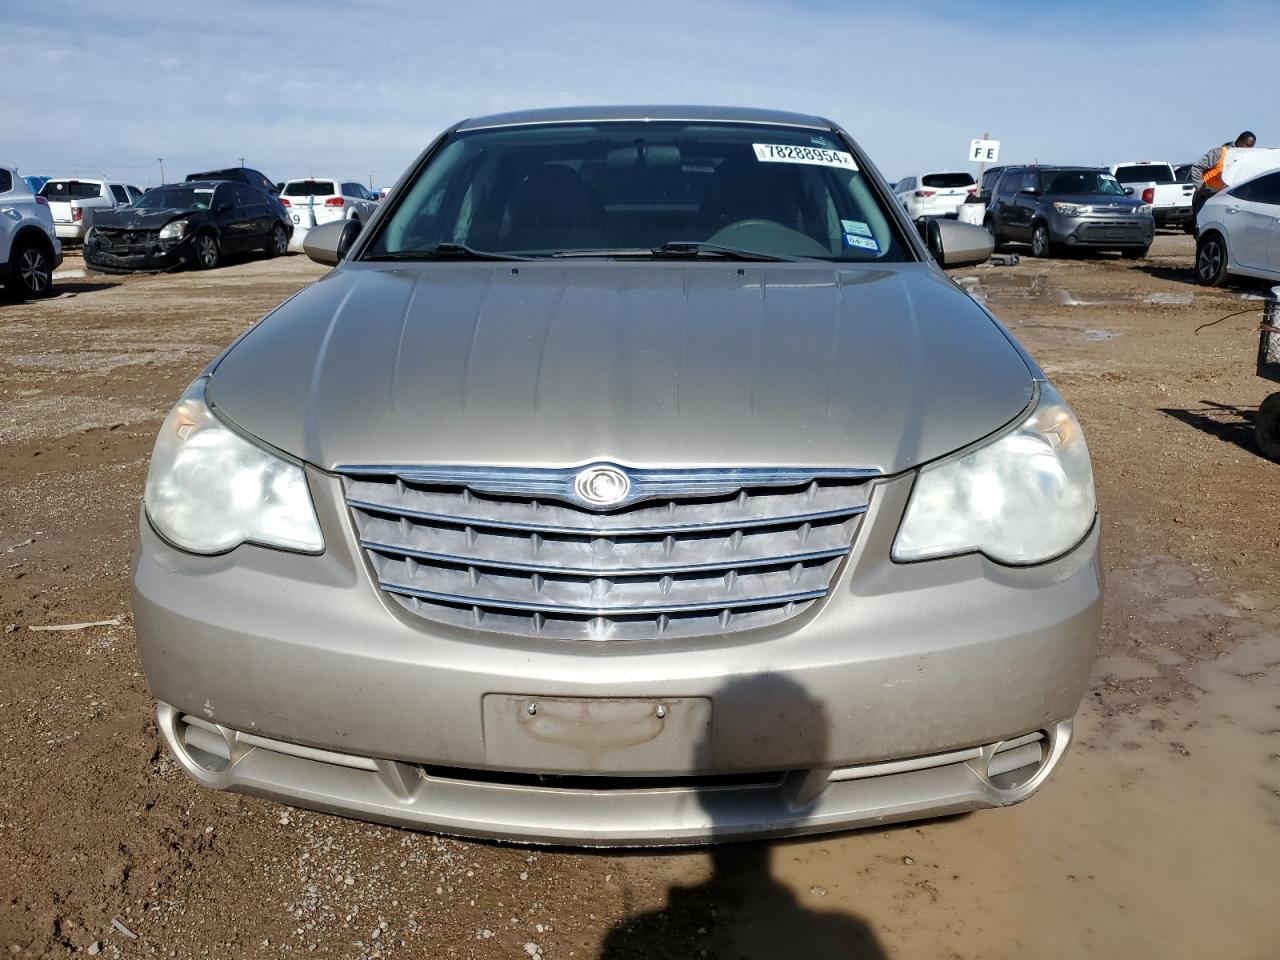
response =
{"points": [[1135, 253], [31, 271], [279, 241], [1211, 260], [1041, 240], [206, 251], [1267, 427]]}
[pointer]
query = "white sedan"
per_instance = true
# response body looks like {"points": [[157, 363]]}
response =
{"points": [[1238, 232], [322, 199]]}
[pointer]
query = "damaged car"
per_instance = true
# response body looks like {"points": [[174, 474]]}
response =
{"points": [[194, 224], [636, 476]]}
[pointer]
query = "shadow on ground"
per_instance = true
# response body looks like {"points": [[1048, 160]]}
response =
{"points": [[1224, 421]]}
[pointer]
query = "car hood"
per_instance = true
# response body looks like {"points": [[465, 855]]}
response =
{"points": [[131, 219], [1098, 201], [646, 365]]}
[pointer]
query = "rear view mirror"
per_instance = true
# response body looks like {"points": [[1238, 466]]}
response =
{"points": [[956, 244], [329, 242]]}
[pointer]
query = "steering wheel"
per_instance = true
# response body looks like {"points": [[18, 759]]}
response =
{"points": [[768, 236]]}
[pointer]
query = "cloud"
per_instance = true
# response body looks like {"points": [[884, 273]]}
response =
{"points": [[331, 89]]}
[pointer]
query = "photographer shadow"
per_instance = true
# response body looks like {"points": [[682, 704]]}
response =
{"points": [[741, 912]]}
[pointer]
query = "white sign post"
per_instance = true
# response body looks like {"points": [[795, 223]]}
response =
{"points": [[984, 151]]}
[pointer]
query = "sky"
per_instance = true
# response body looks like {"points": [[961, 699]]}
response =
{"points": [[357, 91]]}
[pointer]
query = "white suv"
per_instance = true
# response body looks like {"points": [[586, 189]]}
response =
{"points": [[935, 194], [74, 201], [29, 247], [322, 199]]}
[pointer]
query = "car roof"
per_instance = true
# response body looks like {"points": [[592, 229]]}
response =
{"points": [[646, 112]]}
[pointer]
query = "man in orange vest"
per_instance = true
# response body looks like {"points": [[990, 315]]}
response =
{"points": [[1206, 174]]}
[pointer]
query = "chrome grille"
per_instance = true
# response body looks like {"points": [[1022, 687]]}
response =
{"points": [[701, 553]]}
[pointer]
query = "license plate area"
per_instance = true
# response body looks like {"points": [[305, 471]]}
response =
{"points": [[597, 735]]}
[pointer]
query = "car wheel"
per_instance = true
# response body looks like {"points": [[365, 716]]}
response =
{"points": [[1211, 260], [1041, 242], [1267, 426], [1134, 253], [279, 241], [31, 274], [207, 252]]}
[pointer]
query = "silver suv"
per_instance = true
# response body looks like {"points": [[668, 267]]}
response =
{"points": [[637, 477]]}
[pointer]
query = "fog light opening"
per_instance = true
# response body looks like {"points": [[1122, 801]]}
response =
{"points": [[1017, 762], [204, 745]]}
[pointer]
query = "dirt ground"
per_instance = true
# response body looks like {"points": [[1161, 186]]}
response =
{"points": [[1160, 836]]}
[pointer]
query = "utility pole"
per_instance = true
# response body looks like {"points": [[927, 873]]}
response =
{"points": [[242, 161], [160, 160]]}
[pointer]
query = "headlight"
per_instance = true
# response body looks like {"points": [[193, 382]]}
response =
{"points": [[210, 489], [174, 231], [1073, 209], [1144, 210], [1025, 498]]}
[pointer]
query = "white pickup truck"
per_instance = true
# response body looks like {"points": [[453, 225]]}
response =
{"points": [[73, 203], [1153, 182]]}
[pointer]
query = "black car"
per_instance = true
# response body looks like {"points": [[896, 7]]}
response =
{"points": [[254, 178], [187, 224], [1060, 208]]}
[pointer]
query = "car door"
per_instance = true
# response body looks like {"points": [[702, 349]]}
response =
{"points": [[229, 216], [1003, 207], [257, 212], [1264, 195], [1248, 221]]}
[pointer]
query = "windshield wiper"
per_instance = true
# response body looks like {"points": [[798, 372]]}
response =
{"points": [[677, 248], [446, 251]]}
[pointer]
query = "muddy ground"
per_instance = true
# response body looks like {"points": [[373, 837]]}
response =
{"points": [[1160, 836]]}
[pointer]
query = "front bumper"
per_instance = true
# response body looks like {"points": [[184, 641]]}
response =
{"points": [[151, 257], [1102, 231], [945, 660]]}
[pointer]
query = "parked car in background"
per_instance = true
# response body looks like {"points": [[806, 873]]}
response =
{"points": [[934, 194], [990, 177], [76, 203], [124, 193], [1182, 172], [1156, 183], [29, 247], [193, 224], [1056, 209], [435, 544], [1238, 232], [328, 198], [254, 178], [35, 182]]}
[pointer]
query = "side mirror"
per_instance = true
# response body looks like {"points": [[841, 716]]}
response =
{"points": [[1031, 191], [223, 207], [956, 244], [1128, 191], [329, 242]]}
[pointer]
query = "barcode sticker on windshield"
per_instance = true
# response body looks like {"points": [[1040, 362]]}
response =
{"points": [[784, 153]]}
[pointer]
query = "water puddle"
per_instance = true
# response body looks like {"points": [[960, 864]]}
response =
{"points": [[1099, 335]]}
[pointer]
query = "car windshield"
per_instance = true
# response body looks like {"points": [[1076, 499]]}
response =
{"points": [[631, 189], [175, 198], [71, 189], [1145, 173], [1082, 183]]}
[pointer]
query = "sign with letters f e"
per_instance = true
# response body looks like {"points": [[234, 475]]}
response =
{"points": [[984, 151]]}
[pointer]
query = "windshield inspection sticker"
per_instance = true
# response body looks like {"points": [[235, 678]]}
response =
{"points": [[856, 227], [782, 153], [863, 243]]}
